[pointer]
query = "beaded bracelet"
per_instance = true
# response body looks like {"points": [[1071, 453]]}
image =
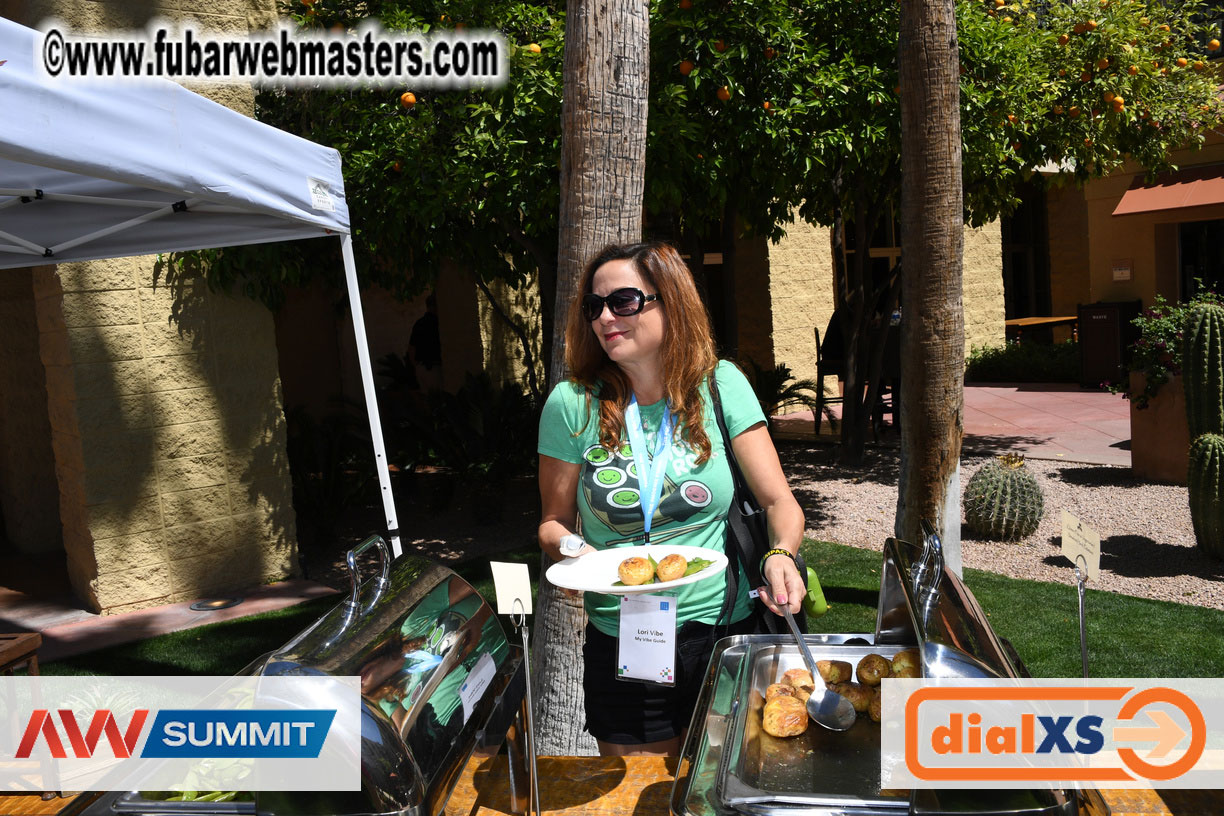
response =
{"points": [[774, 551]]}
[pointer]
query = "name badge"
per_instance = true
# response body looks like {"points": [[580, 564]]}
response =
{"points": [[646, 649]]}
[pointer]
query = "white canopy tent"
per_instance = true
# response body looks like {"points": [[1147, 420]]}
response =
{"points": [[95, 169]]}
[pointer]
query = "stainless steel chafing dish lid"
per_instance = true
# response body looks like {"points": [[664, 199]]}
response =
{"points": [[922, 602], [423, 642]]}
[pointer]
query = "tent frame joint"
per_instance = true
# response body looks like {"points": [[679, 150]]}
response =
{"points": [[38, 194]]}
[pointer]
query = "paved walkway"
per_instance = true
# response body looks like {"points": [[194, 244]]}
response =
{"points": [[1042, 421]]}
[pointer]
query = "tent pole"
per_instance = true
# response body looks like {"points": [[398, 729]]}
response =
{"points": [[371, 401]]}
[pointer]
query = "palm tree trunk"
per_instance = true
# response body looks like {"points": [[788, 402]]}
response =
{"points": [[933, 325], [603, 163]]}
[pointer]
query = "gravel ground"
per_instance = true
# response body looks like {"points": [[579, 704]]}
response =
{"points": [[1147, 541]]}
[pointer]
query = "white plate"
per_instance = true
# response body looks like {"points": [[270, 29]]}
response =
{"points": [[596, 572]]}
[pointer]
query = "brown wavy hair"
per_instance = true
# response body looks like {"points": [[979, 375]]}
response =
{"points": [[687, 352]]}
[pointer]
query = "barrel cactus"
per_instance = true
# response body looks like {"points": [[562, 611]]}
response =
{"points": [[1203, 369], [1003, 500], [1206, 488]]}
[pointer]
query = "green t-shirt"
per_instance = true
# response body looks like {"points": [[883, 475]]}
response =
{"points": [[693, 508]]}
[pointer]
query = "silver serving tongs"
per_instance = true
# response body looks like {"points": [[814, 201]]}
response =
{"points": [[519, 618]]}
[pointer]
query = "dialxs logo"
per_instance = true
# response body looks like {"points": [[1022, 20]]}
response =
{"points": [[282, 734], [1043, 733]]}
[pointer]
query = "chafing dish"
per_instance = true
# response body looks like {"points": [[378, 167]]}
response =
{"points": [[730, 766], [413, 633]]}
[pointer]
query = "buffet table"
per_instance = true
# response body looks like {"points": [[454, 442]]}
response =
{"points": [[641, 786]]}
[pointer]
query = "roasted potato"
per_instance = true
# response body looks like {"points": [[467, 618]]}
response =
{"points": [[779, 690], [875, 707], [908, 658], [671, 567], [784, 717], [858, 695], [872, 669], [834, 671], [635, 571], [800, 679]]}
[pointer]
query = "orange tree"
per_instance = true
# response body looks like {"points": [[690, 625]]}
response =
{"points": [[1036, 86]]}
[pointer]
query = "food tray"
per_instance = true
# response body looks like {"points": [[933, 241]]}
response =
{"points": [[817, 768]]}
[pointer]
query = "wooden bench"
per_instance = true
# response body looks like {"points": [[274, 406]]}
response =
{"points": [[19, 650]]}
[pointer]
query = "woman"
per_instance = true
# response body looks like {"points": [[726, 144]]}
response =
{"points": [[638, 343]]}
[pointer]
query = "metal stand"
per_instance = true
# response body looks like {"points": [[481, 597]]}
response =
{"points": [[519, 618], [1081, 578]]}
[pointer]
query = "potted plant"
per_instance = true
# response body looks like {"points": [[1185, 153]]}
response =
{"points": [[1160, 440]]}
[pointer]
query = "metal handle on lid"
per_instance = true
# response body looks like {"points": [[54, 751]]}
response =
{"points": [[353, 604]]}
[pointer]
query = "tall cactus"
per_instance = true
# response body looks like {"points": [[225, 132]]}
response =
{"points": [[1203, 369], [1206, 483]]}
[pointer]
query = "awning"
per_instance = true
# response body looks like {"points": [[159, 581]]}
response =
{"points": [[1189, 187]]}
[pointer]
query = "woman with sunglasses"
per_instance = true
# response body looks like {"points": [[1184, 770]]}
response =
{"points": [[630, 452]]}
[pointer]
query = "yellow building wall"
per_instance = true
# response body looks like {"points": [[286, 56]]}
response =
{"points": [[1084, 249], [982, 270]]}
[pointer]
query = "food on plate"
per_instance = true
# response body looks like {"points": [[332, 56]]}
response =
{"points": [[907, 672], [779, 690], [784, 717], [908, 658], [872, 669], [671, 567], [858, 695], [834, 671], [875, 706], [635, 571]]}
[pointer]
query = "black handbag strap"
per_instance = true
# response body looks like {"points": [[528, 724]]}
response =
{"points": [[735, 555]]}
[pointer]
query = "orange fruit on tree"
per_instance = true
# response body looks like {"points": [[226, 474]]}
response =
{"points": [[1213, 45], [1198, 65], [533, 48], [1000, 3], [1182, 62], [1102, 63], [1118, 107], [1164, 28], [1016, 146], [1092, 25], [720, 46], [1164, 71], [1058, 109], [1108, 96], [766, 104], [770, 53], [1134, 69], [407, 99], [308, 2], [1088, 141], [686, 67], [1007, 19], [1085, 77], [686, 4], [1143, 21], [1073, 111], [1063, 39], [1079, 28], [723, 93], [397, 167], [1062, 71], [1011, 117]]}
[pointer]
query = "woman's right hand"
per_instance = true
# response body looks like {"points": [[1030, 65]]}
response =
{"points": [[558, 504]]}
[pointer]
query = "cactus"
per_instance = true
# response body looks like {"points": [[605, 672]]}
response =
{"points": [[1003, 499], [1203, 369], [1206, 487]]}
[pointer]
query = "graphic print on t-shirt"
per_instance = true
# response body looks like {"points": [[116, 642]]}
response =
{"points": [[612, 491]]}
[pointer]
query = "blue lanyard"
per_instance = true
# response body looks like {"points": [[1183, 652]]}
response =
{"points": [[650, 473]]}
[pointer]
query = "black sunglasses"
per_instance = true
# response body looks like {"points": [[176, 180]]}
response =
{"points": [[623, 303]]}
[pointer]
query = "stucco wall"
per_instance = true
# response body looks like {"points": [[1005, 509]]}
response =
{"points": [[164, 403], [801, 290], [1086, 238], [982, 267]]}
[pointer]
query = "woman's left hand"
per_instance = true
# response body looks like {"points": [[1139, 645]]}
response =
{"points": [[784, 585]]}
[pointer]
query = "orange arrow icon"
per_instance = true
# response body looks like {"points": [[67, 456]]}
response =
{"points": [[1166, 734]]}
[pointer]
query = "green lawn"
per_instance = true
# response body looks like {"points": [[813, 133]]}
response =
{"points": [[1127, 637]]}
